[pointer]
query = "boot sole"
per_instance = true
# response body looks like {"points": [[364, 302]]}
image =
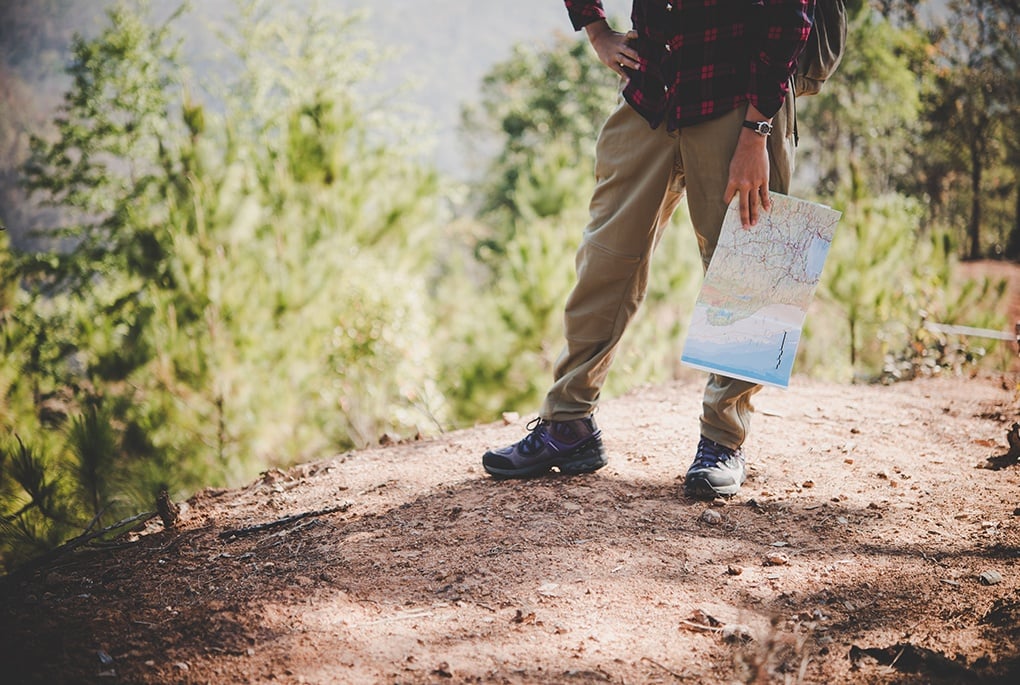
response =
{"points": [[699, 488]]}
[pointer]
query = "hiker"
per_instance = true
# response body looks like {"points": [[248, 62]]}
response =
{"points": [[705, 115]]}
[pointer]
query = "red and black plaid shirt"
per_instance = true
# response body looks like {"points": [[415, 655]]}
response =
{"points": [[703, 58]]}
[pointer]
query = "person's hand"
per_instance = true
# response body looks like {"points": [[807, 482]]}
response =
{"points": [[749, 173], [612, 47]]}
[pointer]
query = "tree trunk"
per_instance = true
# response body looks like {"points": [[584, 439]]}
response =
{"points": [[1013, 244], [974, 226], [853, 344]]}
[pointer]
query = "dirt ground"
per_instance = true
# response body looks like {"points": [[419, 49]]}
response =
{"points": [[866, 547]]}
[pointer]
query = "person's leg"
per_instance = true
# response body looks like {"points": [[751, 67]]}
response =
{"points": [[638, 186], [634, 198], [726, 408]]}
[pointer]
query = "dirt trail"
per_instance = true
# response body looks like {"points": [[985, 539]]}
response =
{"points": [[864, 535]]}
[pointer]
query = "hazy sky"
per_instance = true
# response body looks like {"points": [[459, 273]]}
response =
{"points": [[459, 41], [444, 47]]}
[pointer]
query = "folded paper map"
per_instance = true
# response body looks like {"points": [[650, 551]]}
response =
{"points": [[748, 317]]}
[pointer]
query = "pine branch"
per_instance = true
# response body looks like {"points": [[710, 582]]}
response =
{"points": [[10, 518], [71, 545]]}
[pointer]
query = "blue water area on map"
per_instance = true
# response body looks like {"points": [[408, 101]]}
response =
{"points": [[816, 258], [755, 361]]}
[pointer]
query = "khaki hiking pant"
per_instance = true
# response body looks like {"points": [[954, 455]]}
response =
{"points": [[641, 176]]}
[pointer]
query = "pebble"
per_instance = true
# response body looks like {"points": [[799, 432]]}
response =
{"points": [[990, 578], [711, 517]]}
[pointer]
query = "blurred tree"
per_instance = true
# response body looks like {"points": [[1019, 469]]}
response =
{"points": [[875, 248], [900, 11], [541, 110], [108, 162], [866, 141], [971, 117], [76, 331], [33, 47], [237, 289], [859, 133], [536, 120], [335, 228]]}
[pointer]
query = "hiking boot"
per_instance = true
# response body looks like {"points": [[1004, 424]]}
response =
{"points": [[717, 471], [571, 446]]}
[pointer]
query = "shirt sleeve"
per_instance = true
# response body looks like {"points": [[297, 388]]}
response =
{"points": [[584, 12], [788, 25]]}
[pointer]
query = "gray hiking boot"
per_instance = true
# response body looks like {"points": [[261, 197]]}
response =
{"points": [[573, 447], [717, 471]]}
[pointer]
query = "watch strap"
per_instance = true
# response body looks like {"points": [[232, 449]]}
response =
{"points": [[762, 128]]}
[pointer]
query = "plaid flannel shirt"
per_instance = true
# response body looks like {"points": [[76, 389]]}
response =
{"points": [[703, 58]]}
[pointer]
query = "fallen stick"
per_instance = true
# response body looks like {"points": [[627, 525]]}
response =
{"points": [[252, 530], [667, 670], [701, 626]]}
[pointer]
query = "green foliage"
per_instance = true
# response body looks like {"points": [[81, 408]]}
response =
{"points": [[542, 108], [930, 351], [509, 322], [234, 290], [381, 355], [859, 134], [872, 141], [35, 512], [873, 249], [883, 281], [8, 279], [971, 163], [94, 445], [106, 163], [531, 202]]}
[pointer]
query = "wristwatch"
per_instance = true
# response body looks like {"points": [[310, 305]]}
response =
{"points": [[762, 128]]}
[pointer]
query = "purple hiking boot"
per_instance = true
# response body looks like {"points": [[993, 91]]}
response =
{"points": [[573, 447]]}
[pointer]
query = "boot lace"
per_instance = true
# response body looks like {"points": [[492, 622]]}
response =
{"points": [[711, 454], [534, 440]]}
